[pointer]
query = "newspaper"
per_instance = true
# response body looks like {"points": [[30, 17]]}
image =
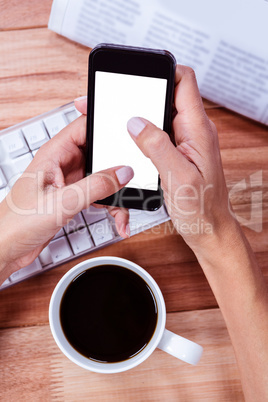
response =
{"points": [[225, 42]]}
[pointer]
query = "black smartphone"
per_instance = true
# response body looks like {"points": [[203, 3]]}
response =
{"points": [[124, 82]]}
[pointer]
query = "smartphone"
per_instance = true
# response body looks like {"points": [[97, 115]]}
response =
{"points": [[124, 82]]}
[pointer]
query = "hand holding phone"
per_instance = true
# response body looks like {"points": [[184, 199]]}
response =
{"points": [[126, 82]]}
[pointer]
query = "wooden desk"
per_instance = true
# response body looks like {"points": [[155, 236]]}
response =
{"points": [[40, 70]]}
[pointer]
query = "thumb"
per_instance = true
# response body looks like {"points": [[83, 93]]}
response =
{"points": [[81, 104], [156, 145], [80, 195]]}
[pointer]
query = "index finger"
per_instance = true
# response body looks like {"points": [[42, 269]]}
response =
{"points": [[186, 89], [191, 117]]}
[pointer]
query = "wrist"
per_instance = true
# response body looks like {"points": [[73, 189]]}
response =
{"points": [[221, 244], [228, 261]]}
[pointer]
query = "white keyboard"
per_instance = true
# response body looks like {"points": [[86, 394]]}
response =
{"points": [[89, 230]]}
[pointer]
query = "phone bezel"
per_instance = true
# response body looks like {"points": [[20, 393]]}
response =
{"points": [[130, 61]]}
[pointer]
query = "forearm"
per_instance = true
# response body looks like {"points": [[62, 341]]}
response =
{"points": [[8, 229], [7, 267], [239, 287]]}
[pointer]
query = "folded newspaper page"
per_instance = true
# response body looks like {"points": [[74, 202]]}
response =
{"points": [[225, 42]]}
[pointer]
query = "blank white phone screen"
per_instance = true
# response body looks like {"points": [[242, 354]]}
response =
{"points": [[118, 97]]}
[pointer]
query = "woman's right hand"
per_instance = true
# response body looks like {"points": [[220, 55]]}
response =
{"points": [[191, 171]]}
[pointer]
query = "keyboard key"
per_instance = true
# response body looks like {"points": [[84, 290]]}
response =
{"points": [[6, 283], [45, 257], [59, 234], [14, 144], [35, 135], [71, 115], [55, 124], [59, 249], [76, 223], [16, 167], [3, 193], [101, 232], [31, 269], [34, 152], [22, 162], [80, 241], [93, 214], [3, 181]]}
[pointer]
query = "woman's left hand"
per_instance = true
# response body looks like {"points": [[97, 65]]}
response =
{"points": [[50, 192]]}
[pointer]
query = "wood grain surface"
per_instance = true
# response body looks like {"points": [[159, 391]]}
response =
{"points": [[40, 70]]}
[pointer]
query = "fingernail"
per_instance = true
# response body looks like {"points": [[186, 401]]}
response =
{"points": [[81, 98], [135, 125], [124, 174]]}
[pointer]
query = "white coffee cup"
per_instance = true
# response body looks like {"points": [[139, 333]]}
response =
{"points": [[171, 343]]}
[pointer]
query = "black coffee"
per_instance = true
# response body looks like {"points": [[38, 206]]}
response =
{"points": [[108, 313]]}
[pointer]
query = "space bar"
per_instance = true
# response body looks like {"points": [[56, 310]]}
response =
{"points": [[140, 220]]}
